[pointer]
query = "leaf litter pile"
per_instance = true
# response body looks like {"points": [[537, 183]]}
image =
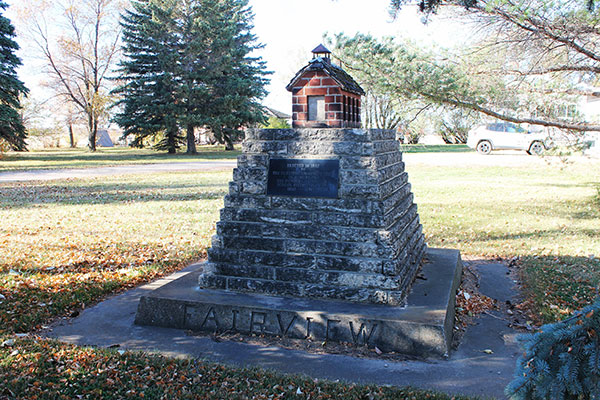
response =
{"points": [[67, 245], [469, 301]]}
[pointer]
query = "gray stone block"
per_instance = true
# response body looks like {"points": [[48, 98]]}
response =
{"points": [[422, 327], [357, 163], [253, 160], [369, 192], [390, 171], [252, 243], [370, 228], [385, 146], [253, 187], [354, 220], [249, 257], [245, 201], [383, 160], [244, 271], [357, 176], [348, 264]]}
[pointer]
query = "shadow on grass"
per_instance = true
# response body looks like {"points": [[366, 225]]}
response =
{"points": [[24, 196], [558, 285], [537, 234]]}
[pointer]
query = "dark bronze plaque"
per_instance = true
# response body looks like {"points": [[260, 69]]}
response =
{"points": [[303, 178]]}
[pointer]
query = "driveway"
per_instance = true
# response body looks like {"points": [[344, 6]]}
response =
{"points": [[503, 159], [52, 174]]}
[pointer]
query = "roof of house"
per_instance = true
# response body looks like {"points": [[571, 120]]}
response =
{"points": [[275, 113], [336, 73]]}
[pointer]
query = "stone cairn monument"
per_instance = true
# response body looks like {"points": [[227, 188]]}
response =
{"points": [[319, 236]]}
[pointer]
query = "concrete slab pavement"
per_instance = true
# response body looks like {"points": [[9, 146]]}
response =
{"points": [[469, 370]]}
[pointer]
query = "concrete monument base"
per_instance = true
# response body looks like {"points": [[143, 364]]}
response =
{"points": [[423, 327]]}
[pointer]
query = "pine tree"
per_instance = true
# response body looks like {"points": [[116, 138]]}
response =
{"points": [[562, 361], [194, 26], [150, 104], [237, 80], [11, 123], [211, 79]]}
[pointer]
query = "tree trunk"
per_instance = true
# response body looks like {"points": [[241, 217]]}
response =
{"points": [[93, 130], [171, 139], [71, 137], [228, 141], [191, 140]]}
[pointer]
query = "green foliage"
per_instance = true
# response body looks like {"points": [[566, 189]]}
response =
{"points": [[454, 126], [149, 106], [537, 59], [409, 73], [276, 123], [562, 361], [11, 125], [237, 80], [188, 65], [384, 106]]}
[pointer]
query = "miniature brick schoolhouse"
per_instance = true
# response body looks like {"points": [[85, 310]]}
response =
{"points": [[324, 95]]}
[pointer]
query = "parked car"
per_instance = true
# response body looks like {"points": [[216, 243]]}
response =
{"points": [[506, 136]]}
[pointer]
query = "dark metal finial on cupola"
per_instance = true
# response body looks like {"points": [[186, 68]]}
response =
{"points": [[322, 52]]}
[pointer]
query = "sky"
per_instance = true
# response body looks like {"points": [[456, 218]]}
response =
{"points": [[290, 29]]}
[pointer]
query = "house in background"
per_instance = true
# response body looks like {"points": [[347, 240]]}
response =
{"points": [[589, 107], [103, 139], [271, 112]]}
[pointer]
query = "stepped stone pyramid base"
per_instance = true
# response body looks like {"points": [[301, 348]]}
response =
{"points": [[319, 237], [352, 234]]}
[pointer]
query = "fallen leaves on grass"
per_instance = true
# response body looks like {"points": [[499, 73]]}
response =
{"points": [[36, 368], [65, 246], [558, 285]]}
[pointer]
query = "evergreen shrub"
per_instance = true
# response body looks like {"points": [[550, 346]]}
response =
{"points": [[561, 361]]}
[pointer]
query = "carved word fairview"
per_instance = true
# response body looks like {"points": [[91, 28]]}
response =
{"points": [[279, 323], [303, 178]]}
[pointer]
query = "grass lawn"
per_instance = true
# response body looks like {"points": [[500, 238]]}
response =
{"points": [[46, 369], [82, 158], [547, 216], [67, 244], [435, 148]]}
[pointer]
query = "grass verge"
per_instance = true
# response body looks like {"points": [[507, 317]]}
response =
{"points": [[545, 215], [45, 369], [103, 157]]}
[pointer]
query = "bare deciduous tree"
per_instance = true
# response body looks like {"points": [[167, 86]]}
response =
{"points": [[537, 57], [79, 42]]}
